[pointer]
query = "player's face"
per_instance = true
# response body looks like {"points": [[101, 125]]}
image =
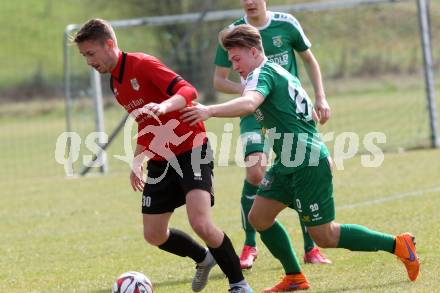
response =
{"points": [[243, 60], [254, 8], [98, 55]]}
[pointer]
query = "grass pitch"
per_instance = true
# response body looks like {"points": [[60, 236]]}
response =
{"points": [[78, 235]]}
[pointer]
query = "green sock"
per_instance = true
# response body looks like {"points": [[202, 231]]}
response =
{"points": [[247, 198], [277, 240], [308, 241], [360, 238]]}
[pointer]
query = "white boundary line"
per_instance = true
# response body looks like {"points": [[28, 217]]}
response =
{"points": [[416, 193]]}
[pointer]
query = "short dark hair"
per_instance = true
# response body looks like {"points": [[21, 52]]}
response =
{"points": [[241, 36], [95, 30]]}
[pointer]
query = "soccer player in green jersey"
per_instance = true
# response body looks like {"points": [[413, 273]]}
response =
{"points": [[281, 35], [301, 174]]}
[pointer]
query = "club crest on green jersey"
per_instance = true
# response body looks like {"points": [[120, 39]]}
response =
{"points": [[277, 41], [266, 182], [259, 115]]}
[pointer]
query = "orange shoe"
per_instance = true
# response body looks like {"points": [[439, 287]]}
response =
{"points": [[406, 252], [315, 256], [290, 283], [248, 256]]}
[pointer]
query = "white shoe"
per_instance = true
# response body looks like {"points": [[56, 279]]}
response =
{"points": [[241, 289], [202, 272]]}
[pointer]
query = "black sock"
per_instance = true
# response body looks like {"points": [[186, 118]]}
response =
{"points": [[182, 244], [228, 260]]}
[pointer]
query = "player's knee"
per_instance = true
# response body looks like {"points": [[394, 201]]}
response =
{"points": [[155, 238], [327, 237], [202, 229], [199, 227], [252, 220], [254, 176], [256, 221], [324, 242]]}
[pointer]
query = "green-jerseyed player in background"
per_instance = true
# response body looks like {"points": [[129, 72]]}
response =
{"points": [[281, 36], [301, 175]]}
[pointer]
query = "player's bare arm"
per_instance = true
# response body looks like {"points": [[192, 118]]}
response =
{"points": [[184, 95], [322, 107], [223, 84], [174, 103], [235, 108], [137, 169]]}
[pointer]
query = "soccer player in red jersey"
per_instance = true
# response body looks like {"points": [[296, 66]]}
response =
{"points": [[180, 160]]}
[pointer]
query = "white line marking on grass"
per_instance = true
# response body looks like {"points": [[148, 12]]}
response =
{"points": [[416, 193]]}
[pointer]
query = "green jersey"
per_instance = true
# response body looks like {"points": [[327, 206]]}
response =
{"points": [[280, 36], [286, 114]]}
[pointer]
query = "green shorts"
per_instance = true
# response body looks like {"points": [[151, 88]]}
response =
{"points": [[308, 190], [252, 137]]}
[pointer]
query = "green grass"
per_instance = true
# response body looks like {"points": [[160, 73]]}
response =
{"points": [[60, 235], [77, 235], [394, 106], [32, 31]]}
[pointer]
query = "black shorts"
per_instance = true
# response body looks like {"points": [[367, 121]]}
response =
{"points": [[165, 189]]}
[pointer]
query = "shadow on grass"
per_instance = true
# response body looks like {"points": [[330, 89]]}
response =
{"points": [[341, 287], [213, 276], [361, 287], [219, 276]]}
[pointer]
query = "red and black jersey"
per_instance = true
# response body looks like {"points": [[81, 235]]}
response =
{"points": [[139, 79]]}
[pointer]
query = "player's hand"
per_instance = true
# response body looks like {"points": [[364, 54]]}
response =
{"points": [[195, 114], [136, 178], [315, 116], [323, 110], [154, 108]]}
